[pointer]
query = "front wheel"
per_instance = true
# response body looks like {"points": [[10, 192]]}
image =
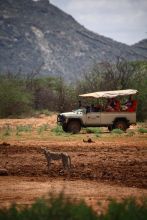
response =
{"points": [[74, 127], [121, 125], [110, 127], [64, 127]]}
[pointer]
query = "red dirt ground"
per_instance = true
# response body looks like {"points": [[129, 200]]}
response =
{"points": [[100, 170]]}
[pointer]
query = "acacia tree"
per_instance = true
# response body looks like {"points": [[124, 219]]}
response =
{"points": [[116, 76], [107, 76]]}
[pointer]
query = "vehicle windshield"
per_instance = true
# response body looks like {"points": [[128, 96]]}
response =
{"points": [[80, 110]]}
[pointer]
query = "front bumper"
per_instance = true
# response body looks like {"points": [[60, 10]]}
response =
{"points": [[61, 119]]}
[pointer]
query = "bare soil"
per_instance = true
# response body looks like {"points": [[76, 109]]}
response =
{"points": [[115, 168]]}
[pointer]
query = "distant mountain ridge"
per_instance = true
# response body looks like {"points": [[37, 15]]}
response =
{"points": [[141, 47], [37, 35]]}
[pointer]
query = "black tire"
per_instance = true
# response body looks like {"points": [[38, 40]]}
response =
{"points": [[121, 125], [110, 128], [74, 127], [64, 127]]}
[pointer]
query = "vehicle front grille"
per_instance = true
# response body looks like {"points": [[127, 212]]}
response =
{"points": [[60, 118]]}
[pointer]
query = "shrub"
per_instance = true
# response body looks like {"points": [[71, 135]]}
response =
{"points": [[15, 100], [142, 130], [61, 208], [42, 128], [117, 131], [7, 130], [130, 133], [128, 210], [57, 130], [93, 130], [23, 128]]}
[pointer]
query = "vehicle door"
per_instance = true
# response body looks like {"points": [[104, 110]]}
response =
{"points": [[93, 118]]}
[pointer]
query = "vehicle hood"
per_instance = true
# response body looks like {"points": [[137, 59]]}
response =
{"points": [[72, 114]]}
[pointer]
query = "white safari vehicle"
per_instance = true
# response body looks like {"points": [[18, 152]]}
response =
{"points": [[121, 118]]}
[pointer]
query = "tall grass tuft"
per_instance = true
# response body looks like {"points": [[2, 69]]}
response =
{"points": [[7, 130], [42, 128], [24, 128]]}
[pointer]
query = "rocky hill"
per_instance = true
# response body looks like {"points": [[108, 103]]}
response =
{"points": [[37, 35], [141, 48]]}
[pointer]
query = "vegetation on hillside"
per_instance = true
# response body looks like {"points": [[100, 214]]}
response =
{"points": [[22, 94]]}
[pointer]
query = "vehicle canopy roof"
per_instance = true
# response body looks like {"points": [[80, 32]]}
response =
{"points": [[110, 94]]}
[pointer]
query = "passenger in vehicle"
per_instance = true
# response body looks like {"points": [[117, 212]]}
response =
{"points": [[92, 108], [131, 104], [87, 109], [117, 105], [113, 105], [98, 108]]}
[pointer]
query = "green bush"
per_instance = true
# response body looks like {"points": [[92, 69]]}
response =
{"points": [[57, 130], [130, 133], [61, 208], [126, 210], [117, 131], [15, 100], [142, 130], [93, 130]]}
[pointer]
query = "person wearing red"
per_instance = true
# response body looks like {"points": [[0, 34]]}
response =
{"points": [[131, 104]]}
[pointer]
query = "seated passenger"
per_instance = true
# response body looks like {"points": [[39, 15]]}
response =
{"points": [[117, 105], [131, 104], [109, 105], [92, 108], [113, 105], [133, 107], [98, 108]]}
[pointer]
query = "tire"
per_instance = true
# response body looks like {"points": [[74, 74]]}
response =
{"points": [[121, 125], [110, 128], [74, 127], [64, 127]]}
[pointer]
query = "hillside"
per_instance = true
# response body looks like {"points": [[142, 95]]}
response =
{"points": [[39, 36], [141, 47]]}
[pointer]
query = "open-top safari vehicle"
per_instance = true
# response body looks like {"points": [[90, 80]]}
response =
{"points": [[112, 115]]}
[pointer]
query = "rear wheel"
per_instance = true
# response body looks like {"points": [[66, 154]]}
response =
{"points": [[121, 125], [74, 127]]}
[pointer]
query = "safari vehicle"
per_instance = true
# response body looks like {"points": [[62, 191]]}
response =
{"points": [[84, 117]]}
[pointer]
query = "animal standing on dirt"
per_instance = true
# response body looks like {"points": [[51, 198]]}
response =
{"points": [[89, 140], [66, 160]]}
